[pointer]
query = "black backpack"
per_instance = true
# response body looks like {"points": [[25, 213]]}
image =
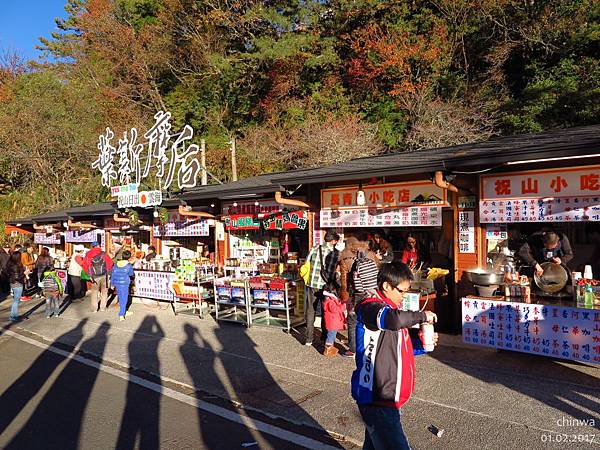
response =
{"points": [[98, 268]]}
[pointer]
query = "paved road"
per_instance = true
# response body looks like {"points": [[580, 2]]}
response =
{"points": [[51, 401]]}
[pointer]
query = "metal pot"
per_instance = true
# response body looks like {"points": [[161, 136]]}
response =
{"points": [[161, 264], [554, 278], [484, 277]]}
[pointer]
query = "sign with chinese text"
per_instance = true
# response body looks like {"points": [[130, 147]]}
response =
{"points": [[141, 199], [563, 182], [555, 331], [154, 285], [242, 222], [496, 231], [563, 209], [76, 236], [130, 188], [159, 147], [295, 220], [390, 195], [466, 232], [179, 225], [319, 233], [415, 216], [251, 207], [46, 239]]}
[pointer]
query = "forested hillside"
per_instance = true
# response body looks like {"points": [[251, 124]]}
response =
{"points": [[296, 83]]}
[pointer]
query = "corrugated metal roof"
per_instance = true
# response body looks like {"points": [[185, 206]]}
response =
{"points": [[261, 184]]}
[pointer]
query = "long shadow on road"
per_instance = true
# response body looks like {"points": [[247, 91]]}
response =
{"points": [[18, 395], [141, 417], [238, 371], [55, 424]]}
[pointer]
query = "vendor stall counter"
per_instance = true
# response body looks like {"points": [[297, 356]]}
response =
{"points": [[555, 328]]}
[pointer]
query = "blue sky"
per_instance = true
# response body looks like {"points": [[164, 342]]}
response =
{"points": [[22, 22]]}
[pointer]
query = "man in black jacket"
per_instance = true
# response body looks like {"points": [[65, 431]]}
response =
{"points": [[546, 246]]}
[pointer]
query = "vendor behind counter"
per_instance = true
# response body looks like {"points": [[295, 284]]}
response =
{"points": [[546, 247]]}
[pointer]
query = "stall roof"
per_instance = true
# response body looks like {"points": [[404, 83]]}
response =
{"points": [[21, 220], [483, 155], [261, 184], [98, 209]]}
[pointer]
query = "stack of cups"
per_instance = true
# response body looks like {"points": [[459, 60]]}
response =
{"points": [[587, 273]]}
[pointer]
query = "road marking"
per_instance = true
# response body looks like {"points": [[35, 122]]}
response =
{"points": [[224, 413]]}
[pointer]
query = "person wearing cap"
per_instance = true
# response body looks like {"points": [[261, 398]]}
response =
{"points": [[97, 265], [323, 261]]}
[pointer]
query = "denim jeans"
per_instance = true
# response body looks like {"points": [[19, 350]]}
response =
{"points": [[383, 428], [331, 334], [52, 304], [14, 311], [313, 298]]}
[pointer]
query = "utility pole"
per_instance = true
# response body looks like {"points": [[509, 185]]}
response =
{"points": [[233, 161], [204, 178]]}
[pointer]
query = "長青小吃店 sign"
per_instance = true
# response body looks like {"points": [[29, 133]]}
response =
{"points": [[554, 331], [179, 225], [391, 195], [295, 220], [47, 239], [141, 199], [170, 153], [552, 195], [415, 216]]}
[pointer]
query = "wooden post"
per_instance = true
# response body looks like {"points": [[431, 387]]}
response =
{"points": [[233, 161], [203, 162]]}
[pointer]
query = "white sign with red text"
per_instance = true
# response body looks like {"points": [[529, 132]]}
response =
{"points": [[385, 195], [416, 216], [564, 182]]}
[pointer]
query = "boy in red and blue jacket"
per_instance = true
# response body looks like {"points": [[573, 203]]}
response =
{"points": [[385, 368]]}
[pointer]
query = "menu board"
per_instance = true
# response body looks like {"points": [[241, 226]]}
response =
{"points": [[555, 331], [560, 209], [179, 225], [154, 285], [415, 216], [48, 239]]}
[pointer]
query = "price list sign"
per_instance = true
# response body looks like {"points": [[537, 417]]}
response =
{"points": [[416, 216], [555, 331], [154, 285]]}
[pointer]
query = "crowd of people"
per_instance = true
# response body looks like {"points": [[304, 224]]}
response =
{"points": [[25, 274]]}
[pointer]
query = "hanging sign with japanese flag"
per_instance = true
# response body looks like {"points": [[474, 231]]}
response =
{"points": [[553, 195]]}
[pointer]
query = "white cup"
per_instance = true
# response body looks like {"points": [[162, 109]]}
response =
{"points": [[426, 334]]}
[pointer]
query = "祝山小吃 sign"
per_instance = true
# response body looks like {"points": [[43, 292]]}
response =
{"points": [[179, 225], [562, 182], [553, 195], [141, 199], [250, 207], [555, 331], [416, 216], [129, 160], [391, 195]]}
